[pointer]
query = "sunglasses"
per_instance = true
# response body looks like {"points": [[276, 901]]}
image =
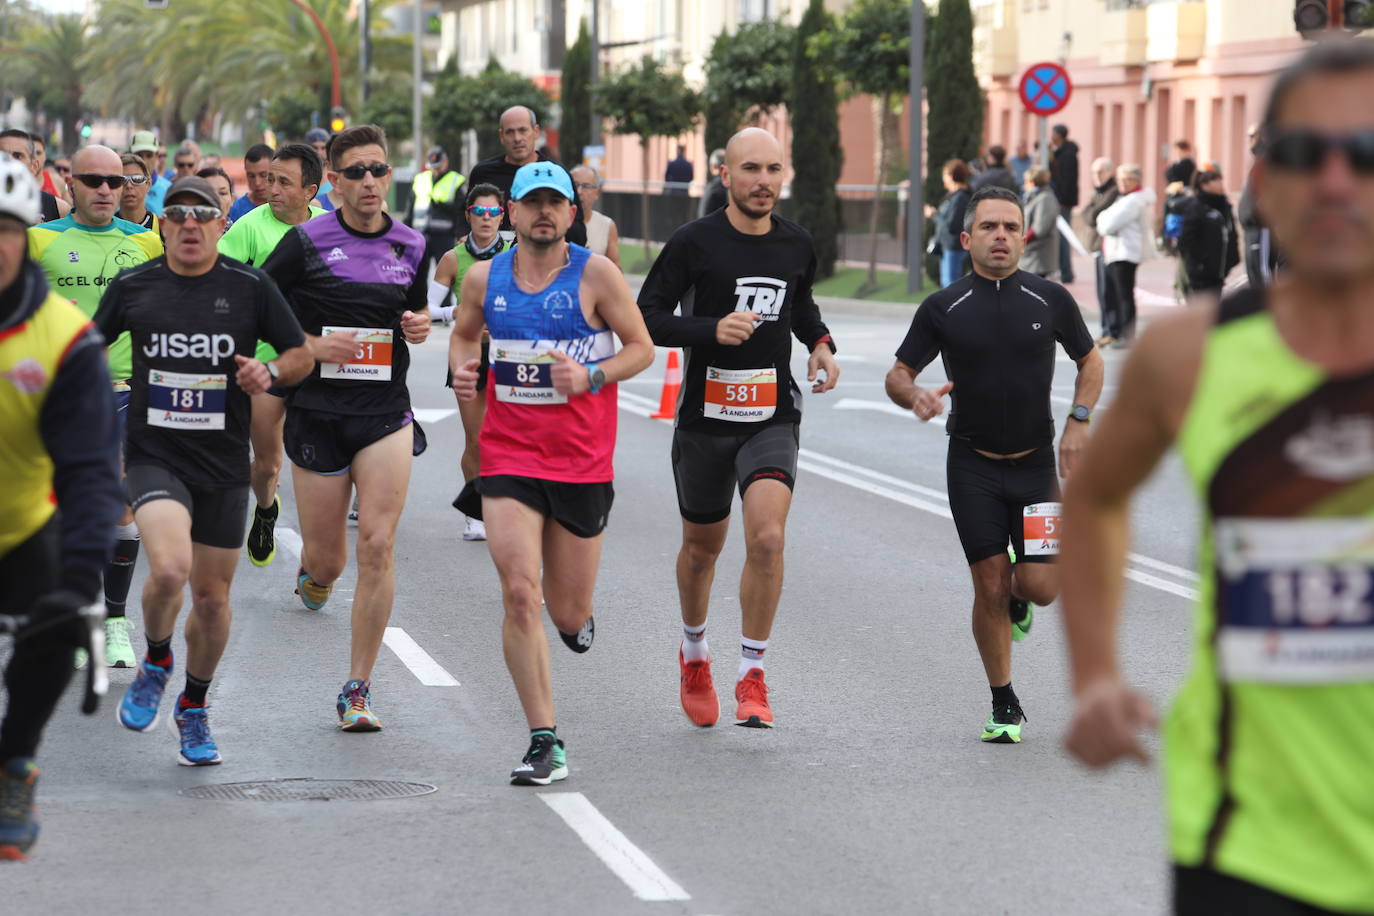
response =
{"points": [[356, 172], [485, 211], [1306, 150], [585, 186], [64, 169], [180, 213], [184, 165], [94, 181], [136, 180]]}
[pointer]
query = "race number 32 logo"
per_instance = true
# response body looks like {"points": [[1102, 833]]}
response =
{"points": [[761, 295]]}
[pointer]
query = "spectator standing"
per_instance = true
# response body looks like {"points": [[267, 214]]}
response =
{"points": [[1041, 255], [679, 173], [1261, 256], [1064, 180], [716, 196], [1105, 194], [1021, 162], [1184, 166], [602, 235], [1207, 244], [1127, 240], [949, 221], [995, 173]]}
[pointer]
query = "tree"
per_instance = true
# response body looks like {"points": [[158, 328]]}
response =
{"points": [[648, 101], [954, 125], [871, 49], [748, 72], [816, 152], [290, 113], [462, 103], [390, 109], [41, 67], [574, 131]]}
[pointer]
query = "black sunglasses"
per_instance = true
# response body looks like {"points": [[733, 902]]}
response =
{"points": [[356, 172], [94, 181], [181, 164], [1306, 150], [180, 213]]}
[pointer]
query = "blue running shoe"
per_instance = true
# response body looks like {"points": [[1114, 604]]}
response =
{"points": [[198, 748], [138, 709], [18, 825]]}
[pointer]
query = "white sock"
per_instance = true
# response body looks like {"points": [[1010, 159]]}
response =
{"points": [[694, 648], [750, 654]]}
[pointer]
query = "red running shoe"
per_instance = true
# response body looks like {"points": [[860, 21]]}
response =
{"points": [[752, 695], [697, 692]]}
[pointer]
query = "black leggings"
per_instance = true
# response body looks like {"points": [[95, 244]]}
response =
{"points": [[1121, 292], [41, 666], [1203, 892]]}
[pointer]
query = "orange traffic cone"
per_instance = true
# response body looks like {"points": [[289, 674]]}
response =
{"points": [[672, 384]]}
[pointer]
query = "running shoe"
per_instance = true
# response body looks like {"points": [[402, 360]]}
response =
{"points": [[119, 652], [751, 693], [18, 824], [355, 709], [580, 641], [543, 763], [313, 595], [138, 709], [1004, 725], [697, 691], [353, 510], [198, 748], [475, 529], [262, 541], [80, 658], [1022, 616], [1106, 340]]}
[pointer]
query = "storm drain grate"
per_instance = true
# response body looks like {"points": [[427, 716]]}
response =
{"points": [[311, 790]]}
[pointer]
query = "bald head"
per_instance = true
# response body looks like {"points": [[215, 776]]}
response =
{"points": [[752, 142], [753, 176], [97, 159], [95, 206], [519, 135]]}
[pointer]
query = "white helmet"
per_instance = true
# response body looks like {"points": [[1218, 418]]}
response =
{"points": [[19, 193]]}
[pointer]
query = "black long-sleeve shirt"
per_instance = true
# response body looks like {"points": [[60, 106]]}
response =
{"points": [[711, 269]]}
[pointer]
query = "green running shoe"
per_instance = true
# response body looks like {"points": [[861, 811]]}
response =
{"points": [[545, 762], [1004, 725], [1022, 616]]}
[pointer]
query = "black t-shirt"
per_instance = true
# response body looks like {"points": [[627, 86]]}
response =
{"points": [[186, 412], [712, 269], [997, 339], [337, 277], [497, 171]]}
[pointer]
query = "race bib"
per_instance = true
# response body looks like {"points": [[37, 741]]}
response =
{"points": [[371, 362], [1295, 600], [740, 395], [1040, 528], [524, 376], [185, 400]]}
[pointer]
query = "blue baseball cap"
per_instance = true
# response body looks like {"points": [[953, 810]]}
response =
{"points": [[534, 175]]}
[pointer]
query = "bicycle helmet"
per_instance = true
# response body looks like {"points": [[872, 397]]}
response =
{"points": [[19, 194]]}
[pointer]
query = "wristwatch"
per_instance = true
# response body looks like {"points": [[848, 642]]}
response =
{"points": [[1081, 413], [596, 379], [272, 369]]}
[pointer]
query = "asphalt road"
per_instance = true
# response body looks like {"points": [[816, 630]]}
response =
{"points": [[872, 795]]}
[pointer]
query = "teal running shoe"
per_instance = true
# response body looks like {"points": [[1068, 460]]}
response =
{"points": [[138, 709], [355, 709], [546, 761], [313, 595]]}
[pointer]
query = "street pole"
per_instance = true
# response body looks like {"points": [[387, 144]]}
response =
{"points": [[1042, 156], [363, 55], [594, 135], [417, 72], [915, 205]]}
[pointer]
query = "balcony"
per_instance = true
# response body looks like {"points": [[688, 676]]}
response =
{"points": [[1177, 31], [1124, 36], [995, 47]]}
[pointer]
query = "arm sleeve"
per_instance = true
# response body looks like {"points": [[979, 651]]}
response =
{"points": [[286, 264], [922, 342], [81, 436], [277, 324], [668, 282], [807, 325], [1069, 327]]}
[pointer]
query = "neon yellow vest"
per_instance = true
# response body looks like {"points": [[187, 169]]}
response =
{"points": [[30, 354]]}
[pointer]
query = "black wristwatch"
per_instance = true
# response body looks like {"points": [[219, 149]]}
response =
{"points": [[596, 378], [1081, 413]]}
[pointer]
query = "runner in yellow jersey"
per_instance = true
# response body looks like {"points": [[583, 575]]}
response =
{"points": [[80, 254], [1269, 398]]}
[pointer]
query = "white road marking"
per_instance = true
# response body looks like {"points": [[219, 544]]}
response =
{"points": [[645, 879], [882, 407], [426, 669], [431, 414], [289, 540], [637, 404]]}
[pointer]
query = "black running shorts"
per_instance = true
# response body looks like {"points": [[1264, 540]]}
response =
{"points": [[988, 497], [218, 514], [1203, 892], [325, 442], [707, 468], [582, 508]]}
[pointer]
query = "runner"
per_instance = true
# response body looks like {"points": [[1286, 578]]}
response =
{"points": [[223, 185], [80, 254], [257, 167], [317, 138], [484, 213], [995, 330], [549, 435], [144, 145], [293, 179], [352, 278], [20, 147], [1269, 399], [192, 315], [58, 442], [135, 193], [743, 277]]}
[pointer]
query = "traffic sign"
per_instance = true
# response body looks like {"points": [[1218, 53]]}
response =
{"points": [[1045, 88]]}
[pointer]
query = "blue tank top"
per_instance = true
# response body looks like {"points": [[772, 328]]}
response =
{"points": [[547, 320]]}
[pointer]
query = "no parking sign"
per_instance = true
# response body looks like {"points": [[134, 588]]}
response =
{"points": [[1045, 88]]}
